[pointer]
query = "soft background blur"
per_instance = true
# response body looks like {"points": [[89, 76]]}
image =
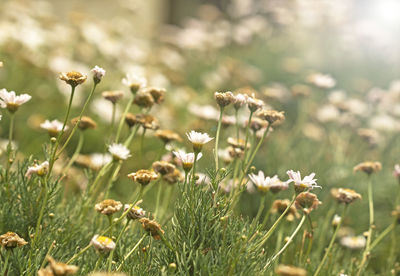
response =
{"points": [[273, 48]]}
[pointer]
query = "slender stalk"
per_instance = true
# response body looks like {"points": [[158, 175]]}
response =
{"points": [[99, 261], [328, 250], [48, 253], [11, 130], [193, 180], [388, 229], [121, 121], [116, 242], [114, 108], [10, 149], [259, 212], [287, 243], [371, 225], [131, 252], [5, 266], [247, 136], [237, 123], [217, 139], [158, 199], [39, 221], [76, 153]]}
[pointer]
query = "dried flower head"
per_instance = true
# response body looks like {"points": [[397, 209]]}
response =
{"points": [[145, 120], [198, 139], [174, 177], [263, 183], [163, 167], [224, 98], [256, 124], [143, 177], [85, 122], [57, 269], [288, 270], [306, 202], [102, 244], [187, 159], [240, 100], [98, 74], [336, 220], [353, 242], [396, 171], [11, 240], [113, 96], [346, 196], [134, 82], [237, 143], [108, 207], [234, 153], [279, 206], [135, 212], [300, 185], [273, 117], [119, 151], [167, 135], [254, 104], [73, 78], [144, 99], [53, 127], [11, 101], [131, 120], [152, 227], [158, 94], [368, 167], [38, 169]]}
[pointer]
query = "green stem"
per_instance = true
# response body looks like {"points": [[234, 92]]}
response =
{"points": [[5, 266], [39, 221], [260, 209], [76, 153], [328, 250], [131, 252], [158, 199], [237, 124], [388, 229], [116, 242], [287, 243], [247, 135], [217, 139], [121, 121]]}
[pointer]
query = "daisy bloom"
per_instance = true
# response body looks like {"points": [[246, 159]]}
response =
{"points": [[263, 183], [11, 101], [336, 220], [143, 177], [198, 139], [308, 182], [119, 152], [98, 160], [353, 242], [108, 207], [53, 127], [98, 74], [73, 78], [102, 244], [254, 104], [39, 170], [11, 240], [187, 159], [240, 100], [134, 82]]}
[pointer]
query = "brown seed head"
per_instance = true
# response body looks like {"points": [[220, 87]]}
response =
{"points": [[113, 96], [73, 78], [135, 212], [143, 177], [279, 206], [256, 124], [57, 269], [174, 177], [224, 98], [272, 116], [167, 135], [346, 196], [368, 167], [144, 99], [307, 202], [163, 167], [152, 227], [85, 123], [158, 94], [108, 207], [11, 240]]}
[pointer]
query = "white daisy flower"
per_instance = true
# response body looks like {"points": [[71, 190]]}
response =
{"points": [[198, 139], [53, 127], [119, 151], [98, 160], [308, 182], [38, 169], [353, 242], [98, 73], [11, 101], [102, 244], [263, 183], [134, 82], [187, 159]]}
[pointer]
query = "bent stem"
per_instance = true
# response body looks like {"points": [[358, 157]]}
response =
{"points": [[371, 225], [217, 139], [131, 252], [321, 264], [388, 229], [116, 242], [287, 243]]}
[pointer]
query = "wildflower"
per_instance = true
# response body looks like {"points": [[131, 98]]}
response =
{"points": [[152, 227], [308, 182], [134, 82], [240, 100], [112, 96], [272, 116], [98, 74], [39, 170], [144, 99], [157, 94], [102, 244], [119, 152], [73, 78], [11, 101], [353, 242], [187, 159], [85, 122], [131, 120], [254, 104], [145, 120], [11, 240], [163, 167], [198, 139], [173, 177], [321, 80], [53, 127], [135, 212], [256, 124], [336, 220], [263, 183], [98, 160], [108, 207], [237, 143], [143, 177], [346, 196], [288, 270], [396, 214], [167, 136], [280, 205], [57, 269], [224, 98], [368, 167], [396, 171], [307, 202]]}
